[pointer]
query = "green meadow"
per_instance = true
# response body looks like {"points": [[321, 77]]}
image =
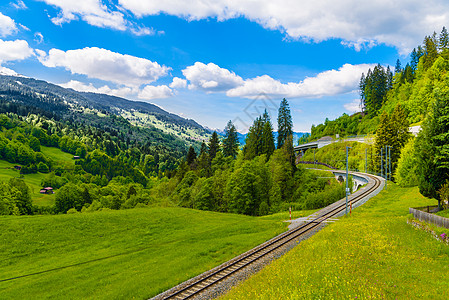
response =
{"points": [[374, 254], [123, 254], [34, 180]]}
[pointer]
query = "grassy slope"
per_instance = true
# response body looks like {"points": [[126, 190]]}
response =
{"points": [[373, 254], [34, 180], [154, 248]]}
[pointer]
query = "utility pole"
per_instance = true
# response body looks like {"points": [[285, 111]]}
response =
{"points": [[347, 179], [314, 161], [381, 162], [366, 160], [389, 159]]}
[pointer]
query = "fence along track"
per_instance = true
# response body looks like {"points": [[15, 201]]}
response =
{"points": [[218, 274]]}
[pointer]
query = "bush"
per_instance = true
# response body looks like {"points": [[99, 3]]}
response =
{"points": [[406, 172]]}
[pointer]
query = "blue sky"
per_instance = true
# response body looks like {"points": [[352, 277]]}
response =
{"points": [[214, 61]]}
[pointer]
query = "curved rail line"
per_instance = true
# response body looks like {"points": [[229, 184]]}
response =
{"points": [[227, 269]]}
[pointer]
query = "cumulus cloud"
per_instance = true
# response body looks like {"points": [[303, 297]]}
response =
{"points": [[150, 92], [7, 25], [359, 24], [178, 83], [211, 78], [95, 13], [353, 106], [105, 65], [90, 88], [14, 50]]}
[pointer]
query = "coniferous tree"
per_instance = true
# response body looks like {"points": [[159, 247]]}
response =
{"points": [[214, 145], [191, 156], [444, 39], [398, 67], [393, 132], [373, 89], [203, 148], [433, 147], [267, 136], [230, 141], [285, 123], [430, 51], [253, 141]]}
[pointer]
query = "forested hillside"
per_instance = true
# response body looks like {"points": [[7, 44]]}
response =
{"points": [[99, 110], [416, 94]]}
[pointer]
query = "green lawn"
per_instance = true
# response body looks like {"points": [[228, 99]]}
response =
{"points": [[58, 156], [373, 254], [124, 254], [32, 180]]}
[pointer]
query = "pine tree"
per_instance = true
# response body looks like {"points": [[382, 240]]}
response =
{"points": [[214, 145], [267, 136], [433, 147], [253, 141], [443, 40], [398, 68], [430, 52], [230, 141], [285, 124], [191, 156], [393, 132], [203, 148]]}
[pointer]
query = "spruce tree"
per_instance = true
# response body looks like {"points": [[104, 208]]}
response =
{"points": [[214, 145], [285, 124], [203, 148], [191, 156], [267, 136], [253, 141], [398, 68], [443, 40], [230, 141], [433, 147]]}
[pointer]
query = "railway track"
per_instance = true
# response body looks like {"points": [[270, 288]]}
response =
{"points": [[208, 279]]}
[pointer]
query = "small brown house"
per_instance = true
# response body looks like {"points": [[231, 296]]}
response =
{"points": [[47, 190]]}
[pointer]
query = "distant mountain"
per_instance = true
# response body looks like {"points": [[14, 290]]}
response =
{"points": [[296, 136], [90, 108]]}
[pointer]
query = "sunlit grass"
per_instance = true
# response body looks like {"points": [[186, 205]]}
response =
{"points": [[134, 253], [372, 254]]}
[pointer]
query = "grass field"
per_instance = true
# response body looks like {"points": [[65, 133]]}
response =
{"points": [[120, 254], [58, 156], [34, 180], [373, 254]]}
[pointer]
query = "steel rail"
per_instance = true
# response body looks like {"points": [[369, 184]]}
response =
{"points": [[258, 252]]}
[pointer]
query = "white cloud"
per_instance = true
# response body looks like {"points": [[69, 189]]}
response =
{"points": [[82, 87], [96, 13], [401, 23], [178, 83], [14, 50], [105, 65], [211, 78], [7, 25], [93, 12], [353, 106], [19, 5], [38, 37], [155, 92]]}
